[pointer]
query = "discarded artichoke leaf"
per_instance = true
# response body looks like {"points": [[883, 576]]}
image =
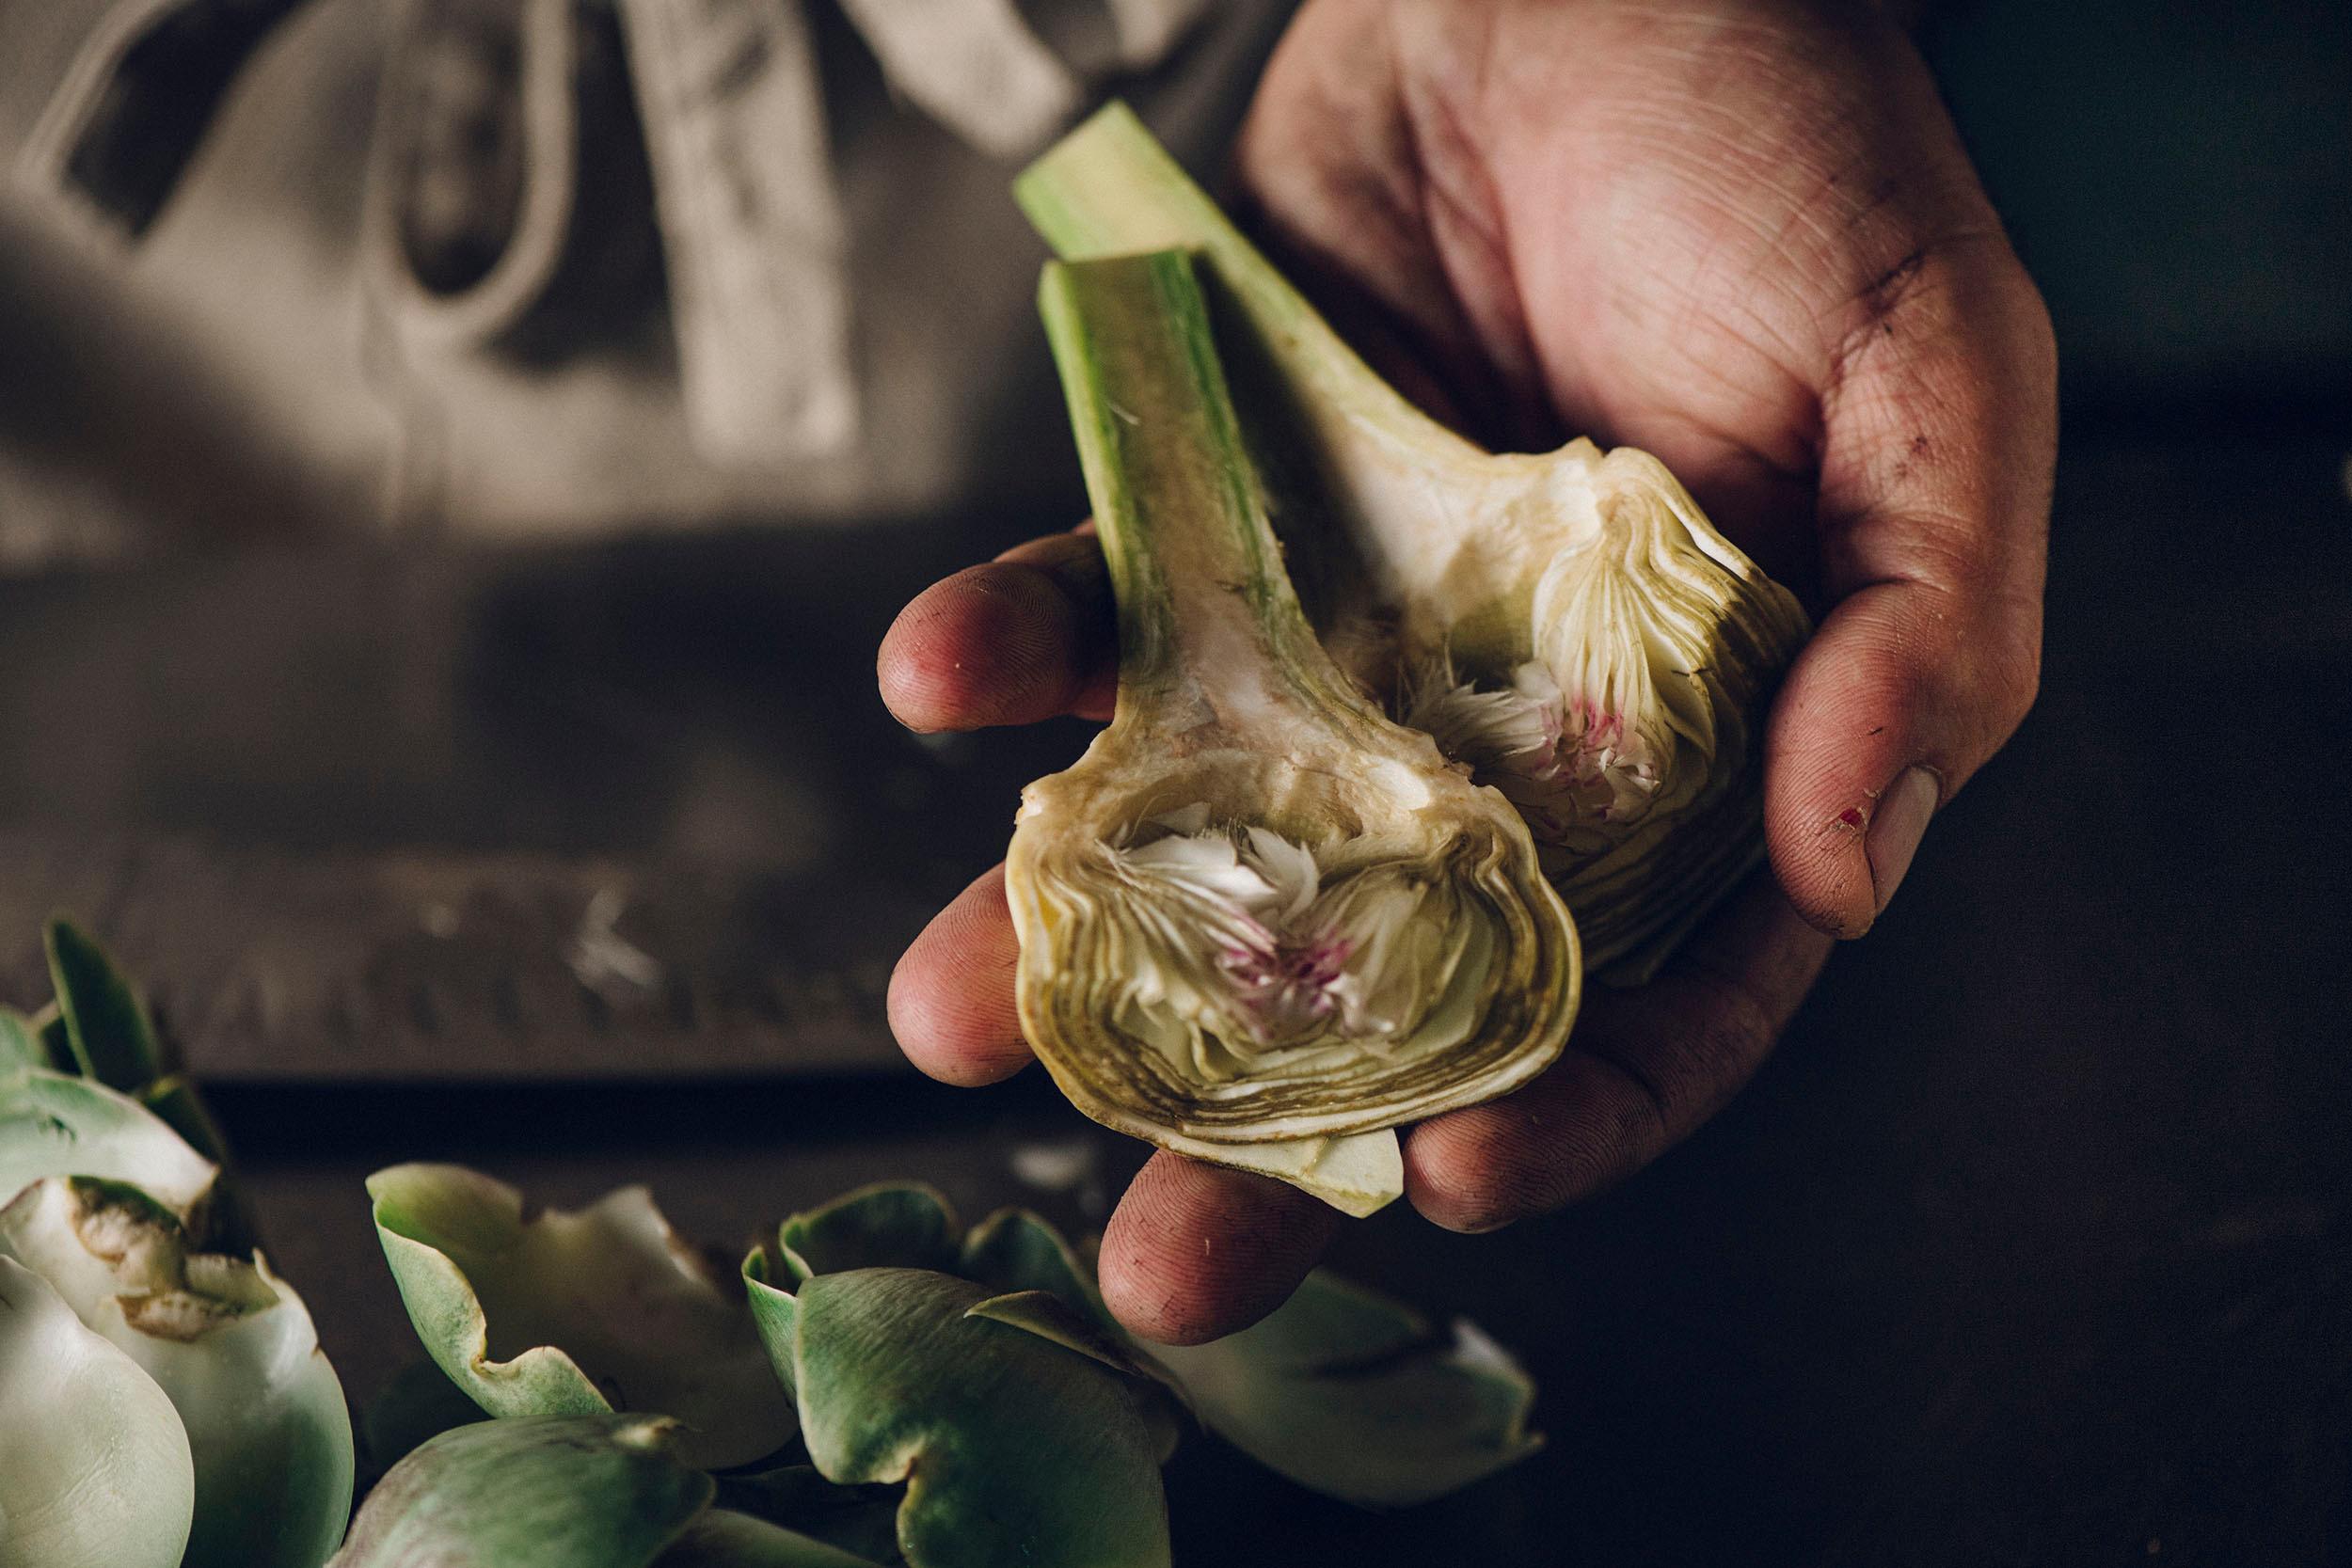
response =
{"points": [[605, 1491], [1569, 623], [1256, 914], [57, 1124], [94, 1463], [1013, 1446], [229, 1343], [561, 1313], [1047, 1316], [1042, 1286], [1354, 1395]]}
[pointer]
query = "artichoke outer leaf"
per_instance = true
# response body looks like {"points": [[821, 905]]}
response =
{"points": [[95, 1470], [577, 1313], [1047, 1316], [112, 1036], [887, 1226], [58, 1124], [775, 1315], [229, 1342], [607, 1491], [1358, 1397], [1017, 1249], [1014, 1448]]}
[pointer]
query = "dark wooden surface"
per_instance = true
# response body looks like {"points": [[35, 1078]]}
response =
{"points": [[2032, 1245], [624, 811]]}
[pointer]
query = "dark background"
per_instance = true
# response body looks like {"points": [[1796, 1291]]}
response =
{"points": [[2030, 1247]]}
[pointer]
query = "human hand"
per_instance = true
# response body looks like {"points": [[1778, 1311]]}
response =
{"points": [[1743, 235]]}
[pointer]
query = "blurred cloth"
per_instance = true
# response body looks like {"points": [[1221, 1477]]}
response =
{"points": [[548, 268]]}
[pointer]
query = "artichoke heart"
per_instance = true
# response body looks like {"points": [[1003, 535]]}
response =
{"points": [[1569, 624], [1259, 923]]}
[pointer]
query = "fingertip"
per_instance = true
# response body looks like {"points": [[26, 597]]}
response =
{"points": [[1883, 699], [951, 998], [1197, 1251], [1002, 643]]}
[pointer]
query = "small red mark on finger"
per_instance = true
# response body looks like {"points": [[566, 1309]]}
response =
{"points": [[1851, 818]]}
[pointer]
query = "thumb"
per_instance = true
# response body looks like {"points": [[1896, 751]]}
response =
{"points": [[1939, 437]]}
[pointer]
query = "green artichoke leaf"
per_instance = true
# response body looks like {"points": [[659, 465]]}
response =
{"points": [[94, 1464], [579, 1314], [1014, 1250], [112, 1036], [233, 1347], [1014, 1448], [889, 1225], [1356, 1396], [56, 1124], [602, 1491], [1017, 1252]]}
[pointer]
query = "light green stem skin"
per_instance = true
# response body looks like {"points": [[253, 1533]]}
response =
{"points": [[1205, 608], [1109, 188]]}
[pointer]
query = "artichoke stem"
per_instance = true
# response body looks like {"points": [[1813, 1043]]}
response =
{"points": [[1207, 617]]}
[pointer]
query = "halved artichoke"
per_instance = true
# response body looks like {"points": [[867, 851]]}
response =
{"points": [[1569, 625], [1259, 924]]}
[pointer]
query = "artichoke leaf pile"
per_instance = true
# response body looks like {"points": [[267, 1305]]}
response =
{"points": [[162, 1396], [1567, 624], [1261, 923], [962, 1400]]}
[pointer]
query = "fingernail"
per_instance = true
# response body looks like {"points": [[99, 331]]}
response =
{"points": [[1897, 826]]}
